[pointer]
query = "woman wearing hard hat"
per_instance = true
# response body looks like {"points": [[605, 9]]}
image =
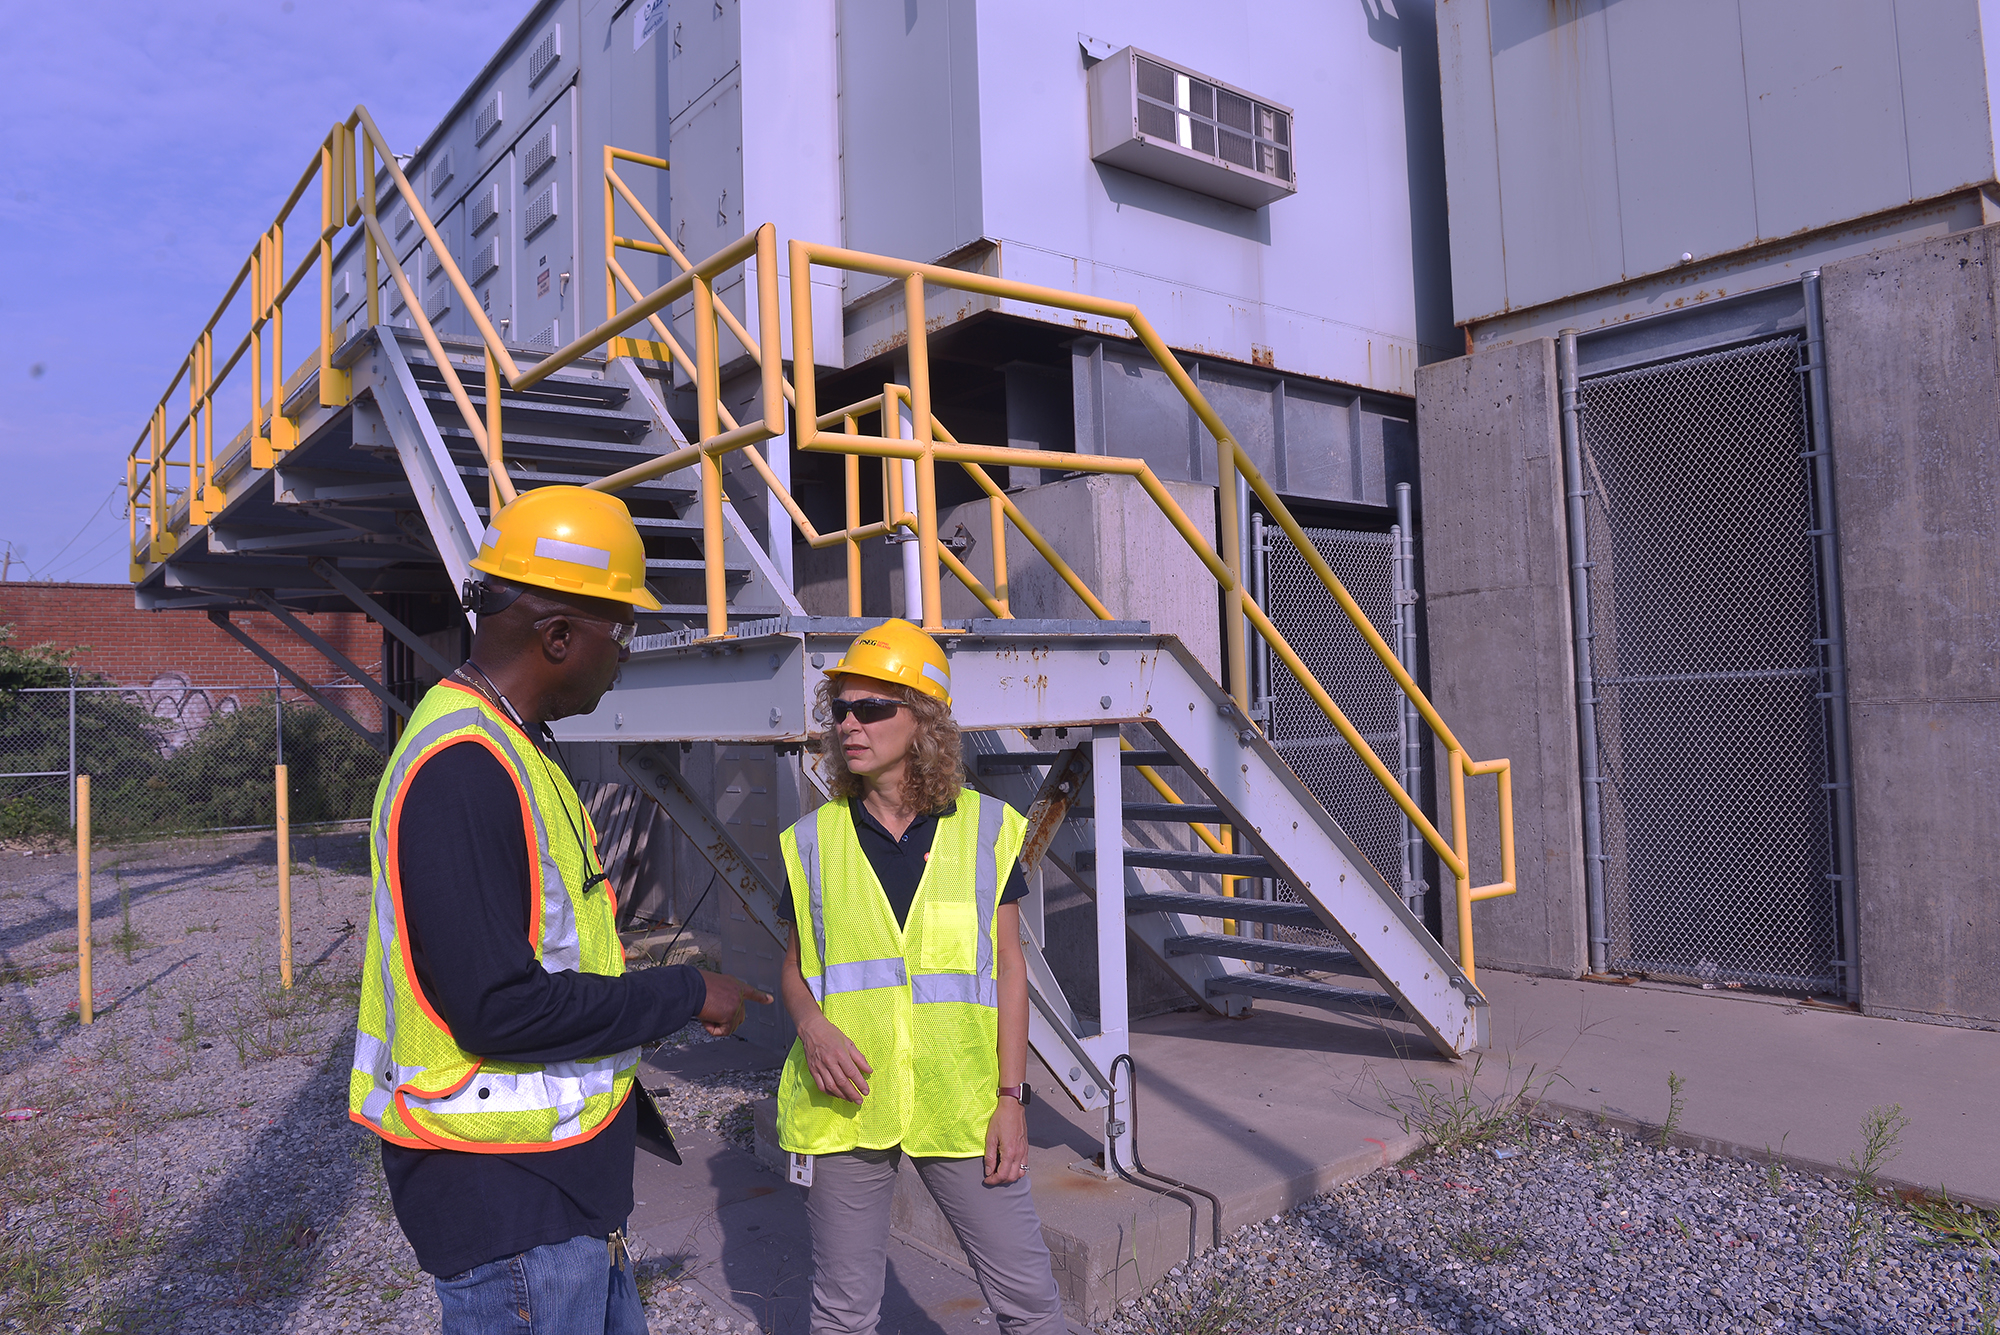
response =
{"points": [[906, 980]]}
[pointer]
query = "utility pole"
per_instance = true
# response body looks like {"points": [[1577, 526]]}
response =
{"points": [[7, 568]]}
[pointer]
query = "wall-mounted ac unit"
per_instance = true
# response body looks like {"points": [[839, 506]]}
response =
{"points": [[1158, 119]]}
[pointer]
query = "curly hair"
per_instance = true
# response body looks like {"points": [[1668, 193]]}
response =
{"points": [[936, 767]]}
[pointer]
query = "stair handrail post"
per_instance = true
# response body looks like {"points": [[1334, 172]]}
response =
{"points": [[852, 470], [496, 452], [706, 393], [1107, 777], [371, 263], [1463, 871], [926, 462]]}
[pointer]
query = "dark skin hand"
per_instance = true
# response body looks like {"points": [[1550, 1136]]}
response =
{"points": [[552, 656]]}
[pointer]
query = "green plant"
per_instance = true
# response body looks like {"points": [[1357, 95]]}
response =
{"points": [[273, 1259], [1474, 1247], [1676, 1102], [125, 938], [1957, 1220], [1455, 1112], [1881, 1141]]}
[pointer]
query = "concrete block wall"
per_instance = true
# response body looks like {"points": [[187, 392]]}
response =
{"points": [[1502, 674], [1913, 366], [135, 648]]}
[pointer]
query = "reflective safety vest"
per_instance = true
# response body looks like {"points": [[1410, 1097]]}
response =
{"points": [[411, 1082], [921, 1001]]}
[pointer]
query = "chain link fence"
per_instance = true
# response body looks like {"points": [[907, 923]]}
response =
{"points": [[174, 757], [1712, 743]]}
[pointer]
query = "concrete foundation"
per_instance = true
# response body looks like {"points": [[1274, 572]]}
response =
{"points": [[1496, 594], [1914, 372]]}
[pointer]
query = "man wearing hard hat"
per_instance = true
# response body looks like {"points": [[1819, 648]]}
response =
{"points": [[499, 1033], [906, 980]]}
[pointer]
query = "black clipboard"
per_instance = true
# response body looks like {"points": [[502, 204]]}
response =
{"points": [[654, 1135]]}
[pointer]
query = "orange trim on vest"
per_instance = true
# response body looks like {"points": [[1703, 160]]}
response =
{"points": [[430, 1142]]}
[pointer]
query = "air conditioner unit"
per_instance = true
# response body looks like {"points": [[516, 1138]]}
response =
{"points": [[1154, 118]]}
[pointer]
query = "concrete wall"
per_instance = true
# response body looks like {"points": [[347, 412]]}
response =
{"points": [[1915, 378], [1497, 602], [1119, 544]]}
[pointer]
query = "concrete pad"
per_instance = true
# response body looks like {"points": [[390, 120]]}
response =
{"points": [[1762, 1075], [1266, 1112]]}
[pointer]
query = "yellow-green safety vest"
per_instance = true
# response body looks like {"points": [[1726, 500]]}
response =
{"points": [[921, 1001], [411, 1083]]}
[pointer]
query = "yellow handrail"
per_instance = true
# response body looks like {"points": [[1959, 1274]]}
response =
{"points": [[344, 167]]}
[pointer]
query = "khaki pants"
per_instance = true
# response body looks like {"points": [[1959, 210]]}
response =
{"points": [[848, 1206]]}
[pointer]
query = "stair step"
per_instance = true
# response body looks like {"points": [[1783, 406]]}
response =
{"points": [[620, 453], [1287, 953], [559, 386], [673, 566], [1166, 813], [1280, 912], [1303, 992], [1175, 859], [652, 489], [445, 408], [1006, 762]]}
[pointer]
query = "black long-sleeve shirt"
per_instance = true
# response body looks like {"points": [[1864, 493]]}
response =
{"points": [[467, 901]]}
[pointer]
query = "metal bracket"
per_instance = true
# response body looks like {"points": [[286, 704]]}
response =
{"points": [[328, 652], [378, 740], [331, 573], [651, 767]]}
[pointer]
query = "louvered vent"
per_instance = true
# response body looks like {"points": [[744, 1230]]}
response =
{"points": [[440, 173], [484, 261], [343, 287], [549, 338], [403, 224], [541, 212], [432, 263], [545, 55], [541, 152], [485, 208], [1169, 123], [398, 305], [489, 117], [439, 303]]}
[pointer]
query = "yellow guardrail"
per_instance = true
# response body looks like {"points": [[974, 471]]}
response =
{"points": [[357, 142]]}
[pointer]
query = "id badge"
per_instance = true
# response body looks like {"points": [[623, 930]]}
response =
{"points": [[800, 1169]]}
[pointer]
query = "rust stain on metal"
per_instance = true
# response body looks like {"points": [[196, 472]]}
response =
{"points": [[1053, 800]]}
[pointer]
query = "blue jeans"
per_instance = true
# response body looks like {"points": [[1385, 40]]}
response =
{"points": [[581, 1287]]}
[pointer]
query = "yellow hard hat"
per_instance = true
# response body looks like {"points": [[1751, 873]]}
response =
{"points": [[569, 539], [897, 651]]}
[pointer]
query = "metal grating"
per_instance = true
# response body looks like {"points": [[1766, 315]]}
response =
{"points": [[541, 212], [545, 55], [439, 304], [539, 155], [403, 224], [433, 262], [1712, 741], [549, 338], [488, 119], [485, 208]]}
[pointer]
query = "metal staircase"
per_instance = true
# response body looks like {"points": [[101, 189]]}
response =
{"points": [[369, 473]]}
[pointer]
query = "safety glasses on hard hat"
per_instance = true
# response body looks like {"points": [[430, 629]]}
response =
{"points": [[872, 710]]}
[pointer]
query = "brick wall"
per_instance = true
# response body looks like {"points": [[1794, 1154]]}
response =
{"points": [[135, 648]]}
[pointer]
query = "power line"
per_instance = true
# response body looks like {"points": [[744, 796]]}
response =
{"points": [[84, 528]]}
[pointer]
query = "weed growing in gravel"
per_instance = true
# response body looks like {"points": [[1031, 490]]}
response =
{"points": [[1957, 1220], [1676, 1102], [125, 938], [1881, 1138], [1487, 1251], [1456, 1112], [273, 1260]]}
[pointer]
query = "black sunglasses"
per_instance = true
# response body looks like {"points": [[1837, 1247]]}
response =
{"points": [[872, 710]]}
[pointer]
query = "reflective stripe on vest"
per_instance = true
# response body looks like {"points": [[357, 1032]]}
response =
{"points": [[919, 998], [410, 1082]]}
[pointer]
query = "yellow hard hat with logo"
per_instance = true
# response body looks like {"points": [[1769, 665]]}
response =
{"points": [[570, 539], [897, 651]]}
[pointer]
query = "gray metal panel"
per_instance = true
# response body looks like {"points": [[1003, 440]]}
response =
{"points": [[909, 93], [1558, 159], [1950, 139], [1685, 180], [703, 44], [1826, 111], [1471, 160]]}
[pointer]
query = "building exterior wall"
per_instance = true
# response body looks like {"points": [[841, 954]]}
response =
{"points": [[1496, 600], [1591, 145], [135, 648], [1915, 380]]}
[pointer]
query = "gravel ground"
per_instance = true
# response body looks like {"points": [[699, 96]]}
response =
{"points": [[1578, 1230], [186, 1163]]}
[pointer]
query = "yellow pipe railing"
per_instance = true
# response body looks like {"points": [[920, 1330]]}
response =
{"points": [[348, 198]]}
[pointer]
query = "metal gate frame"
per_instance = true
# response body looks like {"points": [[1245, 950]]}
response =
{"points": [[1832, 695]]}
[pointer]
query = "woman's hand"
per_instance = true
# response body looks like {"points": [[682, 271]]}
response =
{"points": [[837, 1066], [1006, 1143]]}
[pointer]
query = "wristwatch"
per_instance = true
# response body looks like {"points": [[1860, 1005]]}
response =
{"points": [[1021, 1094]]}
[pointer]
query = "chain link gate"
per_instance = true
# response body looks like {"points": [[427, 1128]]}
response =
{"points": [[1704, 607], [1333, 650]]}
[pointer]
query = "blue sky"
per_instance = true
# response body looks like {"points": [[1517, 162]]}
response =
{"points": [[149, 144]]}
